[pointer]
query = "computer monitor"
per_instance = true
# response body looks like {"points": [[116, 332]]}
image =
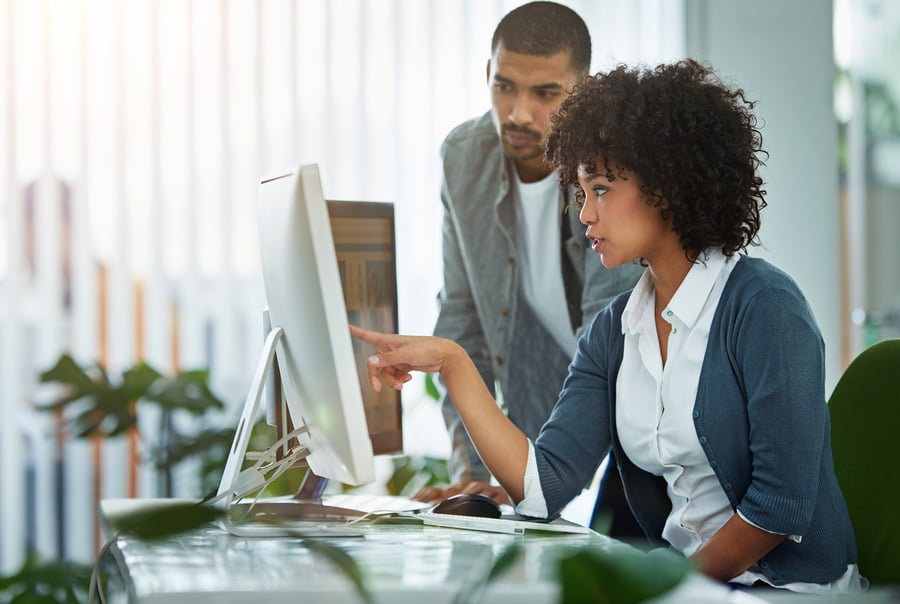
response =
{"points": [[365, 245], [309, 329]]}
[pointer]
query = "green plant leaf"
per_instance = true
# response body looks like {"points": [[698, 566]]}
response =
{"points": [[67, 371], [41, 581], [77, 382], [506, 558], [619, 575], [137, 381], [187, 391], [404, 471], [344, 562], [431, 388], [165, 520], [412, 473], [182, 446]]}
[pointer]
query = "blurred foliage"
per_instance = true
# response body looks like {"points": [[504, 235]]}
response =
{"points": [[413, 473], [46, 582], [97, 406], [104, 408], [504, 560], [619, 575], [880, 109], [431, 387], [262, 436]]}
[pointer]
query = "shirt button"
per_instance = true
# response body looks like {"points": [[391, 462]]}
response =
{"points": [[511, 261], [727, 486], [504, 311], [696, 414], [498, 361], [702, 440], [669, 313], [713, 464], [576, 246]]}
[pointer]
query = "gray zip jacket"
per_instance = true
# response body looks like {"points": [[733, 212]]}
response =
{"points": [[481, 307]]}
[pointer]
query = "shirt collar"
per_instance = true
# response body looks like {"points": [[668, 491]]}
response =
{"points": [[687, 303], [641, 295], [689, 299]]}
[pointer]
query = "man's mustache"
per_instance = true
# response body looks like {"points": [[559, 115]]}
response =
{"points": [[520, 130]]}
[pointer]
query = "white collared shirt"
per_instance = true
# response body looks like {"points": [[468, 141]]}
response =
{"points": [[654, 415]]}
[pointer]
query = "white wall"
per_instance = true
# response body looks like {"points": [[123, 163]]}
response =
{"points": [[781, 53]]}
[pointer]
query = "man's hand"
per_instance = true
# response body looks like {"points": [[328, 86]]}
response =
{"points": [[435, 495]]}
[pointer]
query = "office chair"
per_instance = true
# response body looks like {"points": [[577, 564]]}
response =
{"points": [[865, 441]]}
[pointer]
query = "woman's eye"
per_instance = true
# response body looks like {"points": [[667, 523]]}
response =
{"points": [[600, 191]]}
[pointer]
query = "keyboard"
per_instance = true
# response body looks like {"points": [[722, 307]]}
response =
{"points": [[507, 523]]}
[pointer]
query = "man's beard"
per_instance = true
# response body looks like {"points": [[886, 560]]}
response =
{"points": [[521, 154]]}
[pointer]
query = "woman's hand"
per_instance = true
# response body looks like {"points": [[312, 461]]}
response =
{"points": [[436, 495], [501, 445], [396, 356]]}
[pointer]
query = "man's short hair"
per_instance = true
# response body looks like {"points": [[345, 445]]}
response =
{"points": [[544, 29]]}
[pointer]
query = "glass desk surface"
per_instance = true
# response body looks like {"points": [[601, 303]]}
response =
{"points": [[399, 563]]}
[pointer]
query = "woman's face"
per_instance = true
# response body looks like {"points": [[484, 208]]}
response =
{"points": [[621, 226]]}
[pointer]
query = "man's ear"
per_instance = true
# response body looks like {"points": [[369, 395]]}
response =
{"points": [[487, 72]]}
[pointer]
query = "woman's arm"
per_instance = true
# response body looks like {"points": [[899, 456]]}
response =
{"points": [[500, 444], [734, 548]]}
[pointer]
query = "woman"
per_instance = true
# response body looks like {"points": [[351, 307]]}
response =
{"points": [[706, 379]]}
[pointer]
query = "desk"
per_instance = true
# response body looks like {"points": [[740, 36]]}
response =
{"points": [[400, 563]]}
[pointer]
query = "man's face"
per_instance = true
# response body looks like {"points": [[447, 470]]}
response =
{"points": [[525, 91]]}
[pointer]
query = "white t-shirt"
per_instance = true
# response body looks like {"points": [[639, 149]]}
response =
{"points": [[538, 213]]}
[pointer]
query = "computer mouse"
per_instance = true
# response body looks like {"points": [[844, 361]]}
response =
{"points": [[469, 504]]}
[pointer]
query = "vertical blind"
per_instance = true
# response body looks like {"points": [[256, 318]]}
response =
{"points": [[133, 137]]}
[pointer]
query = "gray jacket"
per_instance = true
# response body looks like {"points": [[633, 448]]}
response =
{"points": [[480, 304]]}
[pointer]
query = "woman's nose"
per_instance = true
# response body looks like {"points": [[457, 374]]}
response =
{"points": [[587, 214]]}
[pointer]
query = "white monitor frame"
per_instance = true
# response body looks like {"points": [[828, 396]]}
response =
{"points": [[308, 318], [306, 300]]}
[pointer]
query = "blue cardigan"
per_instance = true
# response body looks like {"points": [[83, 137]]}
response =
{"points": [[760, 416]]}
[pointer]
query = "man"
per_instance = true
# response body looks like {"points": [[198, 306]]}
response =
{"points": [[519, 280]]}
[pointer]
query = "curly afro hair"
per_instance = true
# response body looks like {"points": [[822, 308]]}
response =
{"points": [[691, 142]]}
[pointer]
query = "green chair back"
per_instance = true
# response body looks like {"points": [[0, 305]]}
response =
{"points": [[865, 441]]}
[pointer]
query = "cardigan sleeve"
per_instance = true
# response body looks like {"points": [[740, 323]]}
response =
{"points": [[577, 435], [780, 359]]}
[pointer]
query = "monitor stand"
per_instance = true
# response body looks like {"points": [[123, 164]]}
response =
{"points": [[306, 503]]}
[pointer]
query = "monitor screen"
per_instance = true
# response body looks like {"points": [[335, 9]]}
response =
{"points": [[305, 299], [364, 240]]}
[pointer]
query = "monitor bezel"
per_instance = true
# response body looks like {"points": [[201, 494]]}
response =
{"points": [[305, 299]]}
